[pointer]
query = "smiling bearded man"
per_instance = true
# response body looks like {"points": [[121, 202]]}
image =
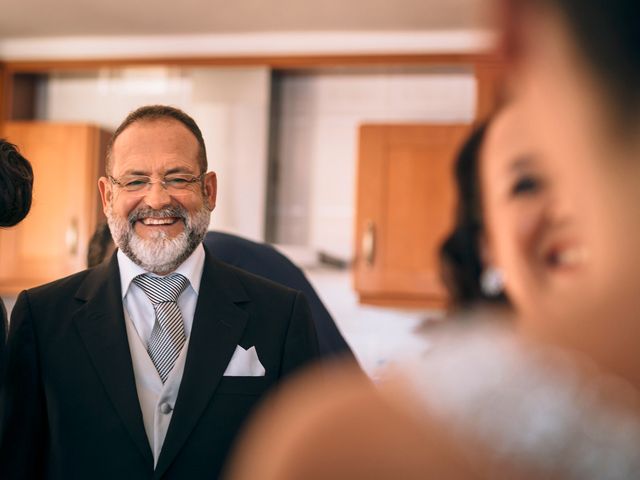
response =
{"points": [[148, 365]]}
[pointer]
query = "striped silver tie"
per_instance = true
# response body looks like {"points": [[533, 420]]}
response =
{"points": [[167, 336]]}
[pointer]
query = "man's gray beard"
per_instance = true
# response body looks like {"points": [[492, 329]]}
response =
{"points": [[159, 254]]}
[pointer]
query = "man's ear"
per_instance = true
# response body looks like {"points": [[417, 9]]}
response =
{"points": [[106, 192], [210, 192]]}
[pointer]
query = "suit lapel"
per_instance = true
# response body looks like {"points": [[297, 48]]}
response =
{"points": [[218, 325], [100, 323]]}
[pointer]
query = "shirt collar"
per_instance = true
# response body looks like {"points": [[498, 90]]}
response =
{"points": [[191, 268]]}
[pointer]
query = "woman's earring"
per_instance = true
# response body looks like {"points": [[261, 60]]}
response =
{"points": [[492, 281]]}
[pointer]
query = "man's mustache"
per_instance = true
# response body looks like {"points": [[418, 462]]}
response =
{"points": [[170, 211]]}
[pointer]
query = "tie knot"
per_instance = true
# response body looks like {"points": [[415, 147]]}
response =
{"points": [[162, 289]]}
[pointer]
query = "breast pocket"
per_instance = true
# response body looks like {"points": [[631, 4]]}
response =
{"points": [[243, 385]]}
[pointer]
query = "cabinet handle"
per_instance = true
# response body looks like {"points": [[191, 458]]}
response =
{"points": [[71, 237], [369, 243]]}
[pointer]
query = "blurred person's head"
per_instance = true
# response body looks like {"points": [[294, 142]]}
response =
{"points": [[101, 245], [157, 195], [16, 183], [576, 66], [494, 254]]}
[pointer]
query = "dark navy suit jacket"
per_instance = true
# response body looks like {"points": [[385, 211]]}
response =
{"points": [[264, 260], [3, 334], [69, 407]]}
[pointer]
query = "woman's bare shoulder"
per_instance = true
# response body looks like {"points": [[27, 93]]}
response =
{"points": [[336, 424]]}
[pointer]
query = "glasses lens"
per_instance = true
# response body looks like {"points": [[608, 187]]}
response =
{"points": [[179, 182], [134, 184]]}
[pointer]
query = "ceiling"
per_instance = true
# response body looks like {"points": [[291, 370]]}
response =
{"points": [[46, 18]]}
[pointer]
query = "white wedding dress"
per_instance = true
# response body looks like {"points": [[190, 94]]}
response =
{"points": [[539, 408]]}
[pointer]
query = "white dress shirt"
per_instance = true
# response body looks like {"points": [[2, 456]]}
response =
{"points": [[157, 400]]}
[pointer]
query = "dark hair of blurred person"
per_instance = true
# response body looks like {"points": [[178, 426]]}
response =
{"points": [[16, 182], [460, 253], [100, 245]]}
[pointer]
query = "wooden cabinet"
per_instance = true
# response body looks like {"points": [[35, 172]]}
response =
{"points": [[406, 198], [51, 242]]}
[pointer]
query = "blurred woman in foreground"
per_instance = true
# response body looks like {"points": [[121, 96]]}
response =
{"points": [[559, 396]]}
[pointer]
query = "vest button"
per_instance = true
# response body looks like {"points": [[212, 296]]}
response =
{"points": [[165, 408]]}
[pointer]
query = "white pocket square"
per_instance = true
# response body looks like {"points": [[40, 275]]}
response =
{"points": [[244, 363]]}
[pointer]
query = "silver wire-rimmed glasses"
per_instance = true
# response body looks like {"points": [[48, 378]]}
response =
{"points": [[174, 183]]}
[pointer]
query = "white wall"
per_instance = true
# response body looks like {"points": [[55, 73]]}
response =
{"points": [[319, 118], [231, 106]]}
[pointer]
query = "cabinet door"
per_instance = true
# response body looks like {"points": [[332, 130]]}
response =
{"points": [[406, 198], [51, 242]]}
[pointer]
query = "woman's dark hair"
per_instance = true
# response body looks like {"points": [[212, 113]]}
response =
{"points": [[16, 184], [460, 256]]}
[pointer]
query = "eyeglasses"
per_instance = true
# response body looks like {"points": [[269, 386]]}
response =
{"points": [[174, 184]]}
